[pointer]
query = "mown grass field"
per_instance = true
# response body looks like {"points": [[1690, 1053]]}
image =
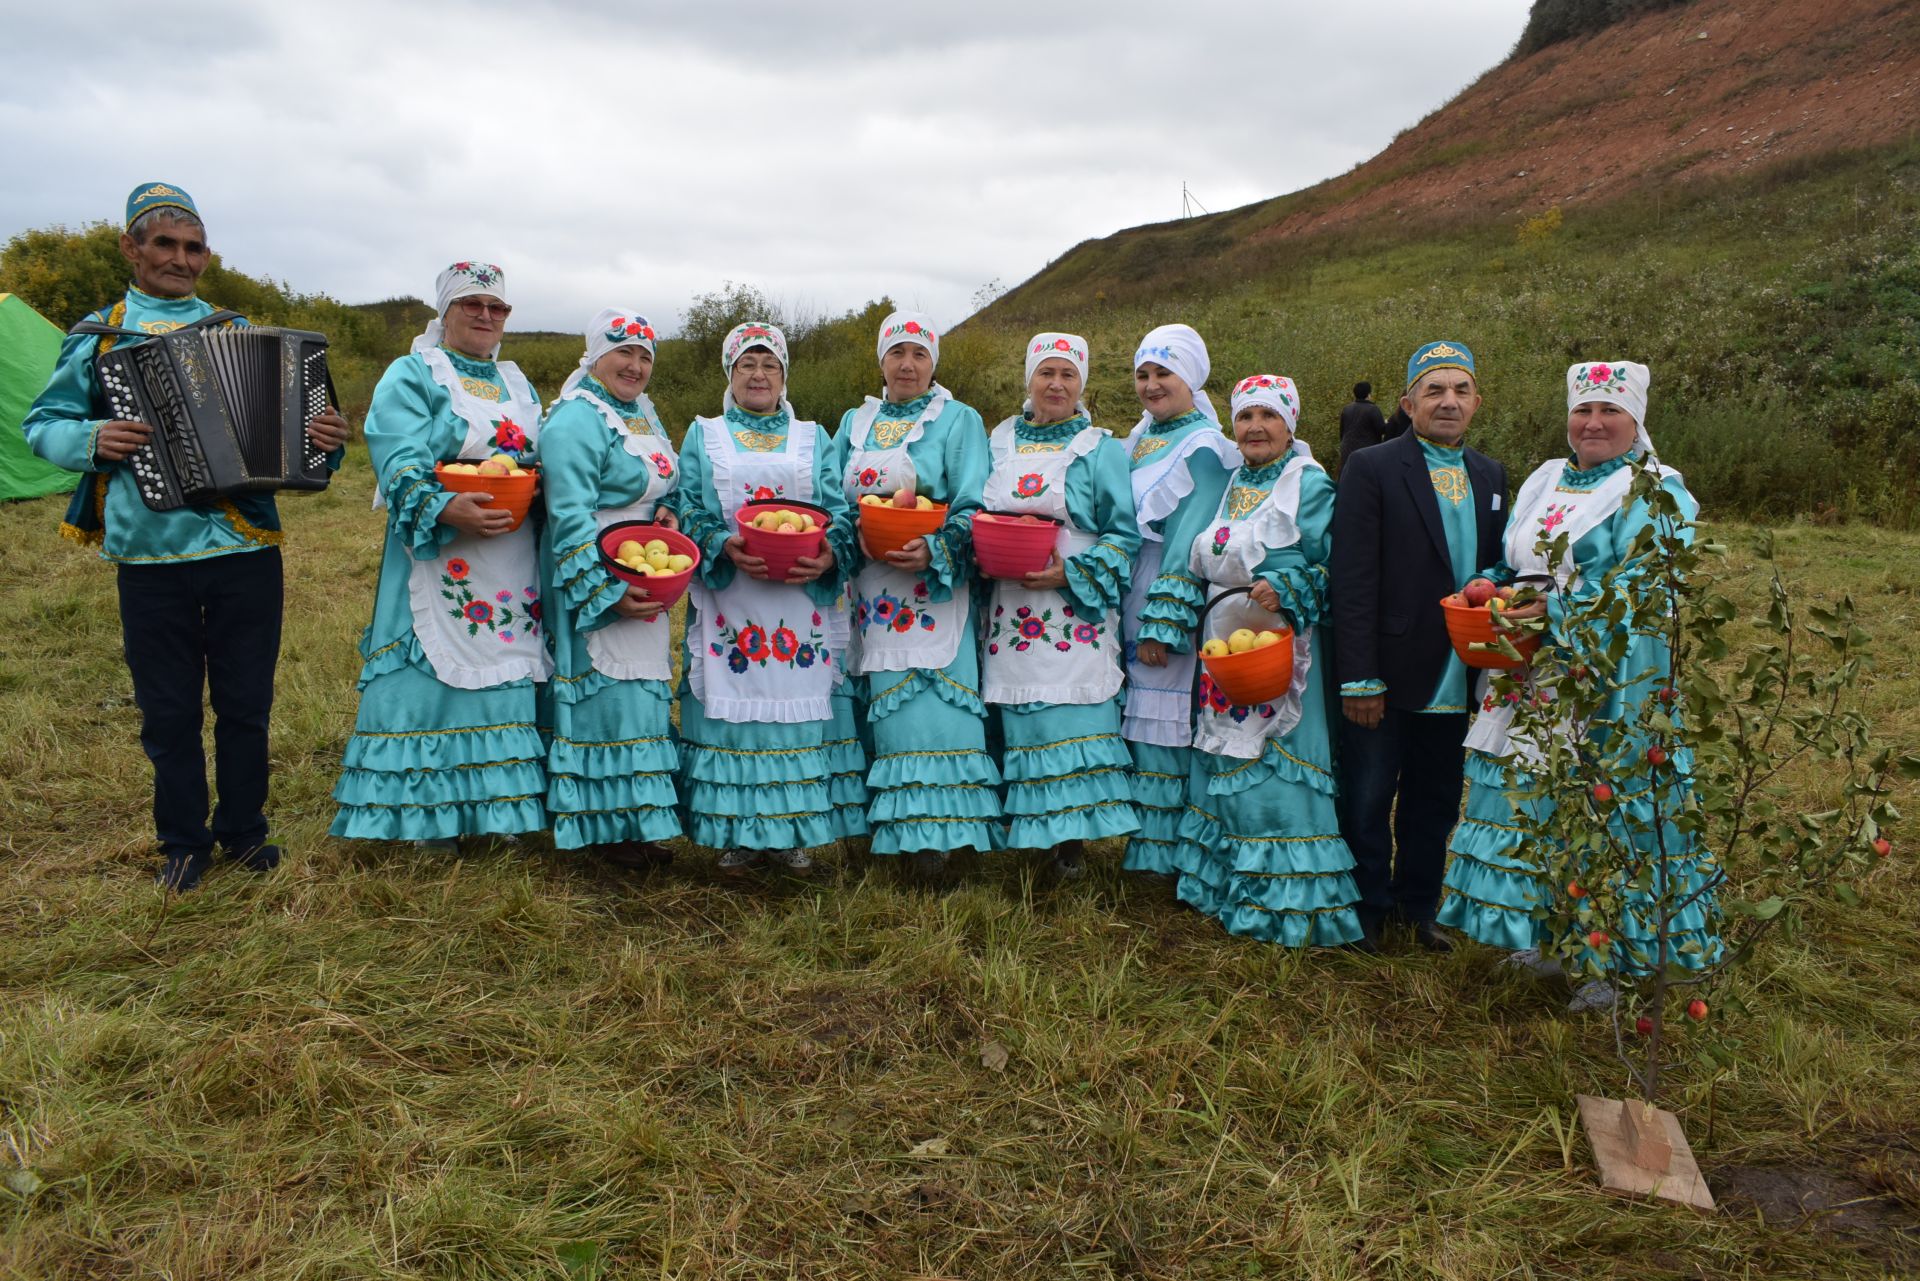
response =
{"points": [[378, 1064]]}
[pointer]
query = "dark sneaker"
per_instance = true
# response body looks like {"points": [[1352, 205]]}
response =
{"points": [[1068, 861], [1429, 936], [261, 858], [182, 872], [737, 860], [794, 860]]}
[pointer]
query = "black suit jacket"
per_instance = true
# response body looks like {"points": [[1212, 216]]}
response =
{"points": [[1390, 565], [1362, 426]]}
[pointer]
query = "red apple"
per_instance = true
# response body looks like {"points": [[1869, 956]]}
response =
{"points": [[1597, 939], [1602, 792], [1574, 890], [1578, 671], [1656, 755], [1882, 846], [1505, 593], [1697, 1010], [1478, 592], [1643, 1025], [1666, 693]]}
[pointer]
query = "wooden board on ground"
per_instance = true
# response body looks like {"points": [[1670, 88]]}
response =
{"points": [[1681, 1181]]}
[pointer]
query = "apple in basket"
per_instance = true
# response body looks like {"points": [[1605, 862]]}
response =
{"points": [[651, 559], [784, 522], [1478, 592]]}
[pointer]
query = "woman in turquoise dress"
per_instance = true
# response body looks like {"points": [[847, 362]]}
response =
{"points": [[1180, 457], [1054, 663], [1491, 889], [605, 458], [913, 648], [446, 742], [763, 746], [1260, 844]]}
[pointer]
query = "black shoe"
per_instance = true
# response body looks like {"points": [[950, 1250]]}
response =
{"points": [[181, 872], [1429, 936], [1068, 864], [1368, 944], [261, 858], [635, 856]]}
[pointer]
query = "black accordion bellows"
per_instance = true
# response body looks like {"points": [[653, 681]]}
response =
{"points": [[229, 410]]}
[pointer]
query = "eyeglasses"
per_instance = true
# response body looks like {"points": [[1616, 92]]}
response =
{"points": [[474, 308]]}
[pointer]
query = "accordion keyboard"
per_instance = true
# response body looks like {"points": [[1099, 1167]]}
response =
{"points": [[188, 478]]}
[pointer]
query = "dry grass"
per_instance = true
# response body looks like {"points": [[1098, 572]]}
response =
{"points": [[374, 1064]]}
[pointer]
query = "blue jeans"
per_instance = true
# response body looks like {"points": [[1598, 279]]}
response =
{"points": [[211, 624], [1400, 787]]}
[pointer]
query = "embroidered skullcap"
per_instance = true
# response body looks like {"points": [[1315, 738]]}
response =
{"points": [[1617, 382], [463, 279], [908, 326], [1275, 391], [1069, 347], [149, 196], [614, 327], [1439, 355], [753, 333], [1181, 349]]}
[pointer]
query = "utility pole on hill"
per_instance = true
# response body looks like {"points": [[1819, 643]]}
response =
{"points": [[1188, 203]]}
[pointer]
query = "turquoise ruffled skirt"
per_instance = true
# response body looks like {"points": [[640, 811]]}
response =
{"points": [[933, 785], [846, 766], [428, 761], [1260, 849], [755, 786], [1160, 797], [1067, 774], [612, 762]]}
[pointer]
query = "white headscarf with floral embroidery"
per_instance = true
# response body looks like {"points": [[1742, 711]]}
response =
{"points": [[1071, 348], [908, 326], [747, 335], [1278, 393], [612, 328], [1181, 349], [1616, 382], [461, 280]]}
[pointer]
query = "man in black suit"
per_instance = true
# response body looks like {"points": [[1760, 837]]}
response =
{"points": [[1417, 516], [1361, 425]]}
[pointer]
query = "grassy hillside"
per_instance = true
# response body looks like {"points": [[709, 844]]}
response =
{"points": [[1780, 314], [375, 1063]]}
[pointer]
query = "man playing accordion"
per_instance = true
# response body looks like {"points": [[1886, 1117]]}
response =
{"points": [[200, 585]]}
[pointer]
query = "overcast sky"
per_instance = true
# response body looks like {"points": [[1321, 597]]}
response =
{"points": [[640, 155]]}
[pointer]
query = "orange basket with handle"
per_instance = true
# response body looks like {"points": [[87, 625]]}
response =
{"points": [[1254, 676], [511, 494], [887, 528], [1470, 625]]}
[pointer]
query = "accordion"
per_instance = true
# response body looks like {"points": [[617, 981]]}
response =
{"points": [[229, 410]]}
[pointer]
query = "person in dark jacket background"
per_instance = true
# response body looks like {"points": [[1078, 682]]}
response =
{"points": [[1416, 518], [1361, 425]]}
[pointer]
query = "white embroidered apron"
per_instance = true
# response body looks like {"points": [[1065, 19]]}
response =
{"points": [[1036, 650], [634, 648], [1246, 526], [1160, 699], [1542, 508], [895, 627], [759, 651], [476, 602]]}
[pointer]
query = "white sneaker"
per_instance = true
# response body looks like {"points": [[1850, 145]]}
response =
{"points": [[794, 860], [1529, 960], [1595, 996], [737, 860]]}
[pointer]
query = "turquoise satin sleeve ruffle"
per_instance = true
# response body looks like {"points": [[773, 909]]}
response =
{"points": [[1100, 499], [404, 442], [1298, 574], [698, 507], [574, 444]]}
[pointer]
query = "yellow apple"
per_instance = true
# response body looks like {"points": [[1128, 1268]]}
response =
{"points": [[628, 550], [1215, 648], [1266, 639], [1241, 641], [872, 500], [923, 503], [679, 564], [656, 545]]}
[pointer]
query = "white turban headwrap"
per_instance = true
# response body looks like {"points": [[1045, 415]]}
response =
{"points": [[1181, 349], [612, 328], [1617, 382], [748, 334], [908, 326], [461, 280]]}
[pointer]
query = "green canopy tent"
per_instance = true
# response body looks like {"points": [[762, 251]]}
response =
{"points": [[29, 344]]}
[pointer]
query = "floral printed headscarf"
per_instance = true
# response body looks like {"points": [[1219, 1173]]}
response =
{"points": [[462, 280], [1068, 347], [908, 326], [1181, 349], [1278, 393], [612, 328], [1617, 382], [747, 335]]}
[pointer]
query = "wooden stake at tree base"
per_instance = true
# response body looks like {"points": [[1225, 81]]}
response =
{"points": [[1642, 1151]]}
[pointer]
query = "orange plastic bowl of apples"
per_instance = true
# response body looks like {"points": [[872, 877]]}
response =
{"points": [[502, 476], [1013, 544], [1250, 667], [781, 532], [1470, 614], [658, 560], [889, 524]]}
